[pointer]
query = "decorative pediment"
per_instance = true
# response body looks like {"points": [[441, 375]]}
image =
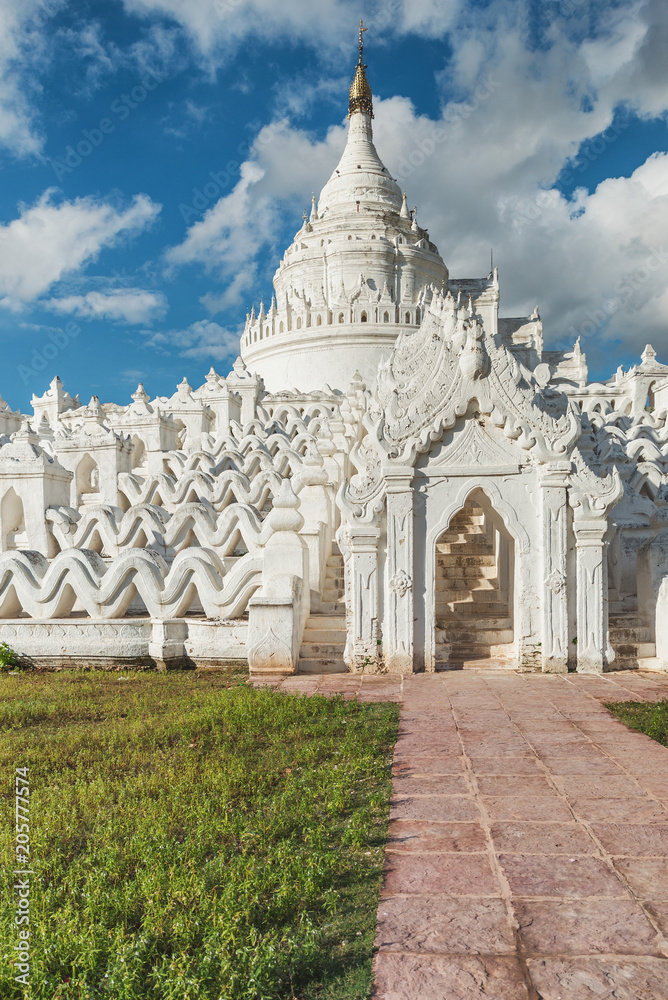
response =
{"points": [[433, 374], [471, 452]]}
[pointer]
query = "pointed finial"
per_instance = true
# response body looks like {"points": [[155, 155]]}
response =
{"points": [[362, 30], [314, 209], [360, 91], [405, 214]]}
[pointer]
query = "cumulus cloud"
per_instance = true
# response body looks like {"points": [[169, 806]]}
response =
{"points": [[483, 175], [216, 28], [51, 240], [203, 339], [129, 305]]}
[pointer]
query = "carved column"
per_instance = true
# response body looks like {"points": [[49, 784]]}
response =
{"points": [[361, 652], [592, 596], [592, 497], [398, 618], [555, 591]]}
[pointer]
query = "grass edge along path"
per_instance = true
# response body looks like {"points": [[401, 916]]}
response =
{"points": [[648, 717], [193, 838]]}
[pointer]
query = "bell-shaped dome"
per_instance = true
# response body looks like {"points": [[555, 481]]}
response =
{"points": [[360, 176]]}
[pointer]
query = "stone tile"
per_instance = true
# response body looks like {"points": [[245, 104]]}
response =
{"points": [[441, 728], [599, 979], [483, 720], [431, 784], [472, 731], [435, 874], [426, 746], [414, 835], [339, 682], [422, 977], [586, 751], [514, 785], [613, 786], [442, 808], [634, 810], [449, 925], [571, 738], [429, 765], [586, 927], [506, 765], [533, 875], [539, 727], [578, 765], [659, 912], [647, 877], [542, 838], [527, 807], [538, 713], [655, 785], [633, 840], [490, 748]]}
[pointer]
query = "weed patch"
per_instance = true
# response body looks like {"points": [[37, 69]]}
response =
{"points": [[650, 717]]}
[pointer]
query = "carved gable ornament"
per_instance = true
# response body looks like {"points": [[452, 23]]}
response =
{"points": [[430, 381], [433, 375], [472, 452]]}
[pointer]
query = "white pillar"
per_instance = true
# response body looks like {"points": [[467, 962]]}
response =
{"points": [[361, 566], [592, 596], [555, 590], [398, 619]]}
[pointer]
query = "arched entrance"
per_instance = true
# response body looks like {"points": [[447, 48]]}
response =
{"points": [[474, 563]]}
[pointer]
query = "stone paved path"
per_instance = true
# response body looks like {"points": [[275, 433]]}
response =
{"points": [[528, 847]]}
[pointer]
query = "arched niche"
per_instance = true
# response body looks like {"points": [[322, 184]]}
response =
{"points": [[87, 477], [138, 453], [13, 521]]}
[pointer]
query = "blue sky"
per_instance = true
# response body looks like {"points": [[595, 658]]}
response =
{"points": [[156, 158]]}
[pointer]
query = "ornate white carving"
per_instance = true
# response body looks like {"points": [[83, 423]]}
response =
{"points": [[556, 581], [401, 583]]}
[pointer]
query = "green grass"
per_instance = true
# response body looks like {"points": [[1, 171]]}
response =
{"points": [[193, 838], [650, 717]]}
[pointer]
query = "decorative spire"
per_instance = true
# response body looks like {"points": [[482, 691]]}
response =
{"points": [[360, 90], [314, 209], [405, 214]]}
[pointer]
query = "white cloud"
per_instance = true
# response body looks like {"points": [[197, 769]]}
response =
{"points": [[49, 241], [22, 46], [217, 28], [130, 305], [203, 339]]}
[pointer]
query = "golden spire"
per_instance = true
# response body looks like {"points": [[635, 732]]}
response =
{"points": [[360, 90]]}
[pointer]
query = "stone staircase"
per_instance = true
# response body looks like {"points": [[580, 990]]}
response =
{"points": [[473, 623], [630, 638], [324, 636]]}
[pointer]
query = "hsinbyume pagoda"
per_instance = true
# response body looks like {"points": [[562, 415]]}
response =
{"points": [[391, 478]]}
